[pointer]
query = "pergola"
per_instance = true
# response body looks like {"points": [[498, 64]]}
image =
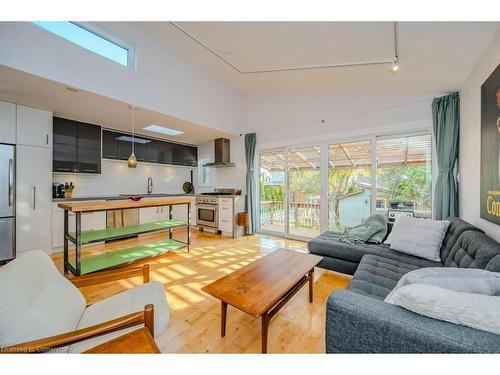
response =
{"points": [[393, 152]]}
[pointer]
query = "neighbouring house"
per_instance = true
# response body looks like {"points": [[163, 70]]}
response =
{"points": [[355, 206]]}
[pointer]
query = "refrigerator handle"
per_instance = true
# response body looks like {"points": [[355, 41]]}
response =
{"points": [[34, 197], [11, 182]]}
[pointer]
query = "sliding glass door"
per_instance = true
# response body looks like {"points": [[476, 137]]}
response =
{"points": [[272, 191], [333, 186], [304, 191]]}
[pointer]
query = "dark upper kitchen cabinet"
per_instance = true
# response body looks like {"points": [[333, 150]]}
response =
{"points": [[89, 148], [177, 151], [165, 152], [116, 145], [190, 156], [124, 146], [140, 150], [184, 155], [64, 145], [152, 151], [110, 144], [77, 147]]}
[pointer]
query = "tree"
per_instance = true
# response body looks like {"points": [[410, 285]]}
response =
{"points": [[408, 183], [340, 183]]}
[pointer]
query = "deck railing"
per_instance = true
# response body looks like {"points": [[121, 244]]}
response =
{"points": [[301, 214]]}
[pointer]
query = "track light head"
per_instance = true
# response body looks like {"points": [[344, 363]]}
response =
{"points": [[394, 67]]}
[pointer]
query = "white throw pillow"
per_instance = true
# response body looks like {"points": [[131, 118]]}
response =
{"points": [[389, 237], [419, 237], [473, 310], [466, 280]]}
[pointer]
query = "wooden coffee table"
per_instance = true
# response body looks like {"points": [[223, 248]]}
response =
{"points": [[263, 287]]}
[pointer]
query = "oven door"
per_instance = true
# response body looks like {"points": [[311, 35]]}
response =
{"points": [[206, 215]]}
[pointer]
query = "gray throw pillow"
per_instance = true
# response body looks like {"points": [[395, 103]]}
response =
{"points": [[419, 237]]}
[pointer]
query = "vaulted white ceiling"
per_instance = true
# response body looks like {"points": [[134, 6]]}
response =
{"points": [[435, 56]]}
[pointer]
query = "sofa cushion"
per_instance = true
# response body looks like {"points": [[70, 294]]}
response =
{"points": [[36, 301], [473, 249], [455, 229], [127, 302], [377, 275], [494, 264], [328, 244]]}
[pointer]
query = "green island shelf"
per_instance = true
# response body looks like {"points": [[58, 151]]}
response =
{"points": [[92, 236], [117, 258]]}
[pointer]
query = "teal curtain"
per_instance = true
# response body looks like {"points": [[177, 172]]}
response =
{"points": [[446, 124], [251, 189]]}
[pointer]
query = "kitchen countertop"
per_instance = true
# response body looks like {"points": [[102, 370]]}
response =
{"points": [[118, 197]]}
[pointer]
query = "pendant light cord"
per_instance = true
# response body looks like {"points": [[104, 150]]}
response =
{"points": [[133, 130]]}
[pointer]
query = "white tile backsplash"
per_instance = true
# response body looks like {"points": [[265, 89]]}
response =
{"points": [[116, 178]]}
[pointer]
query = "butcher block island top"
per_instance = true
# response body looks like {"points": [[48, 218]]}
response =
{"points": [[121, 204]]}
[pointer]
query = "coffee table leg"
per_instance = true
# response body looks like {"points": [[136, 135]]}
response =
{"points": [[311, 274], [223, 315], [265, 326]]}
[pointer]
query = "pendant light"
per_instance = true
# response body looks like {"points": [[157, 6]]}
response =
{"points": [[132, 160]]}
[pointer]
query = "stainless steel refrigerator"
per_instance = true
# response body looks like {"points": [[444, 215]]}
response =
{"points": [[7, 202]]}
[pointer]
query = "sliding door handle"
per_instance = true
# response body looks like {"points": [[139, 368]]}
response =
{"points": [[11, 182], [34, 197]]}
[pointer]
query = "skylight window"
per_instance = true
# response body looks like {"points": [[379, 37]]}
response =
{"points": [[87, 39], [162, 130]]}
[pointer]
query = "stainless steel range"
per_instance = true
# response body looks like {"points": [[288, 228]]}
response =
{"points": [[207, 211], [207, 207]]}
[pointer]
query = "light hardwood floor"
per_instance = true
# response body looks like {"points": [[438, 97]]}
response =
{"points": [[195, 316]]}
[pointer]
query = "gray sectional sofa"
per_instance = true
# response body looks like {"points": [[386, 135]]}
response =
{"points": [[359, 321]]}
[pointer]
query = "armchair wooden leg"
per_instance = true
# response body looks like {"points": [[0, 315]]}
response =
{"points": [[149, 319], [145, 273]]}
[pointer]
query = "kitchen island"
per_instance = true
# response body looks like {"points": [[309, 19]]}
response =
{"points": [[80, 266]]}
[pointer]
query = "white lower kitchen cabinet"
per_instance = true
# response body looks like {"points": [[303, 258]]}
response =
{"points": [[226, 216], [90, 221], [33, 198], [229, 207]]}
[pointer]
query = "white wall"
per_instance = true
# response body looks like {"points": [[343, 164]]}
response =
{"points": [[231, 177], [162, 80], [470, 139], [281, 118], [116, 178]]}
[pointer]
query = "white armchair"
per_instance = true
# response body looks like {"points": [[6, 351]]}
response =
{"points": [[41, 310]]}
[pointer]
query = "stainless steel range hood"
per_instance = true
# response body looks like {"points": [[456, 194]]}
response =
{"points": [[222, 154]]}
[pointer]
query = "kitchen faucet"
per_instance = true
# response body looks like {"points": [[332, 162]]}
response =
{"points": [[150, 185]]}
